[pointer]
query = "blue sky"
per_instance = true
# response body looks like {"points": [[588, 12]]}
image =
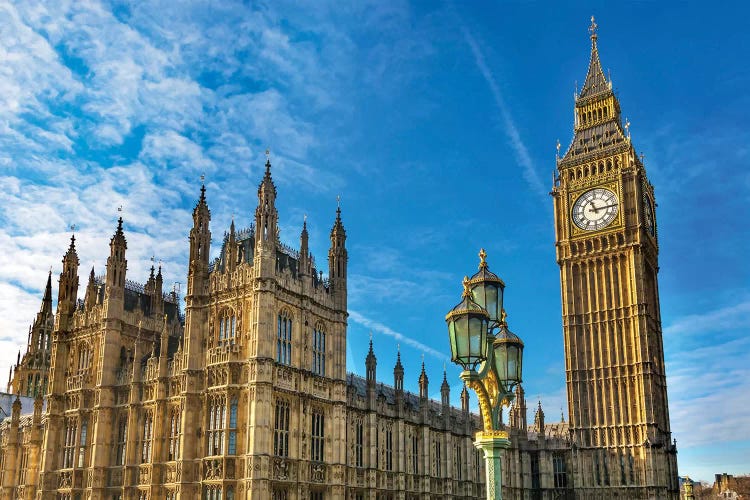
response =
{"points": [[436, 122]]}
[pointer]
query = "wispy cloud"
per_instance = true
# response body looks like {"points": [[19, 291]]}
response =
{"points": [[708, 374], [726, 318], [400, 337], [511, 130]]}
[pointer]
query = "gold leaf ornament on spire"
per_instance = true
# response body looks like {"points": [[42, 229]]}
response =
{"points": [[482, 259], [593, 28]]}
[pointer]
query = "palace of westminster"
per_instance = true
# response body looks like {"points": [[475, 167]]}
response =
{"points": [[244, 393]]}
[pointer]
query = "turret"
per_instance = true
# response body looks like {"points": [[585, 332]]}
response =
{"points": [[371, 363], [337, 261], [91, 295], [117, 266], [423, 384], [231, 249], [266, 215], [398, 374], [465, 400], [518, 417], [39, 331], [305, 267], [164, 348], [196, 309], [46, 308], [445, 391], [200, 246], [539, 420], [68, 289], [157, 302], [153, 289]]}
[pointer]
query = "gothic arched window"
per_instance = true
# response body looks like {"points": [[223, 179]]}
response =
{"points": [[217, 412], [148, 436], [319, 350], [227, 328], [317, 452], [232, 448], [284, 338], [281, 429], [174, 434]]}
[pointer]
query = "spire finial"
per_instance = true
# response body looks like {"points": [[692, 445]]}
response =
{"points": [[467, 290], [558, 149], [503, 317], [338, 201], [593, 28], [482, 259]]}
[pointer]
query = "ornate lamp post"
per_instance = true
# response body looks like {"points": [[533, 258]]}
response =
{"points": [[491, 357]]}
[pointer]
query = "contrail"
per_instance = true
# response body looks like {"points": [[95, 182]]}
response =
{"points": [[379, 327], [522, 154]]}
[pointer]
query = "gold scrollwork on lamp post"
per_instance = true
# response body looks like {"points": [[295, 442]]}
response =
{"points": [[491, 358]]}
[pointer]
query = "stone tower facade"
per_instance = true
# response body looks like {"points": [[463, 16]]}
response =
{"points": [[607, 249], [29, 375], [246, 395]]}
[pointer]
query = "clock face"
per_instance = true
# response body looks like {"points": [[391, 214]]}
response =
{"points": [[648, 216], [595, 209]]}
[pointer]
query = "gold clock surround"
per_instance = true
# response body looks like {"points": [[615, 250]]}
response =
{"points": [[615, 224]]}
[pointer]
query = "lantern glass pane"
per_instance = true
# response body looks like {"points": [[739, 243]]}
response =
{"points": [[475, 329], [501, 362], [462, 339], [477, 295], [490, 291], [452, 338], [512, 363]]}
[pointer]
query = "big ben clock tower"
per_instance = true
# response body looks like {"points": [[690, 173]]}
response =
{"points": [[607, 249]]}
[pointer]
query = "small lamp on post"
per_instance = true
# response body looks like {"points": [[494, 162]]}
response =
{"points": [[491, 358]]}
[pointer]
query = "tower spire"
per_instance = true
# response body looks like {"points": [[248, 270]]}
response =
{"points": [[266, 215], [595, 80], [47, 300], [423, 382], [398, 372], [337, 260]]}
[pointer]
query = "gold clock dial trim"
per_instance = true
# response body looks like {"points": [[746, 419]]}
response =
{"points": [[595, 209]]}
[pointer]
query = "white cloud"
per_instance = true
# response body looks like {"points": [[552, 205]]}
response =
{"points": [[730, 317], [707, 376]]}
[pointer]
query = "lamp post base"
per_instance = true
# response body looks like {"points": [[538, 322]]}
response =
{"points": [[493, 444]]}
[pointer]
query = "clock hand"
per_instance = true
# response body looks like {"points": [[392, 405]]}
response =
{"points": [[608, 206]]}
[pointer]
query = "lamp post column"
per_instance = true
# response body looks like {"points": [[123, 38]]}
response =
{"points": [[493, 444]]}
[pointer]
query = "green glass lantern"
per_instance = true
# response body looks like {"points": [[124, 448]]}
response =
{"points": [[487, 290], [467, 331], [508, 349]]}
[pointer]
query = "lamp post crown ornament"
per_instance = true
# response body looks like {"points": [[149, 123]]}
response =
{"points": [[482, 259]]}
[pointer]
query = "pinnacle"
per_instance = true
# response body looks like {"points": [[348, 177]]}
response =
{"points": [[595, 80], [48, 289]]}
